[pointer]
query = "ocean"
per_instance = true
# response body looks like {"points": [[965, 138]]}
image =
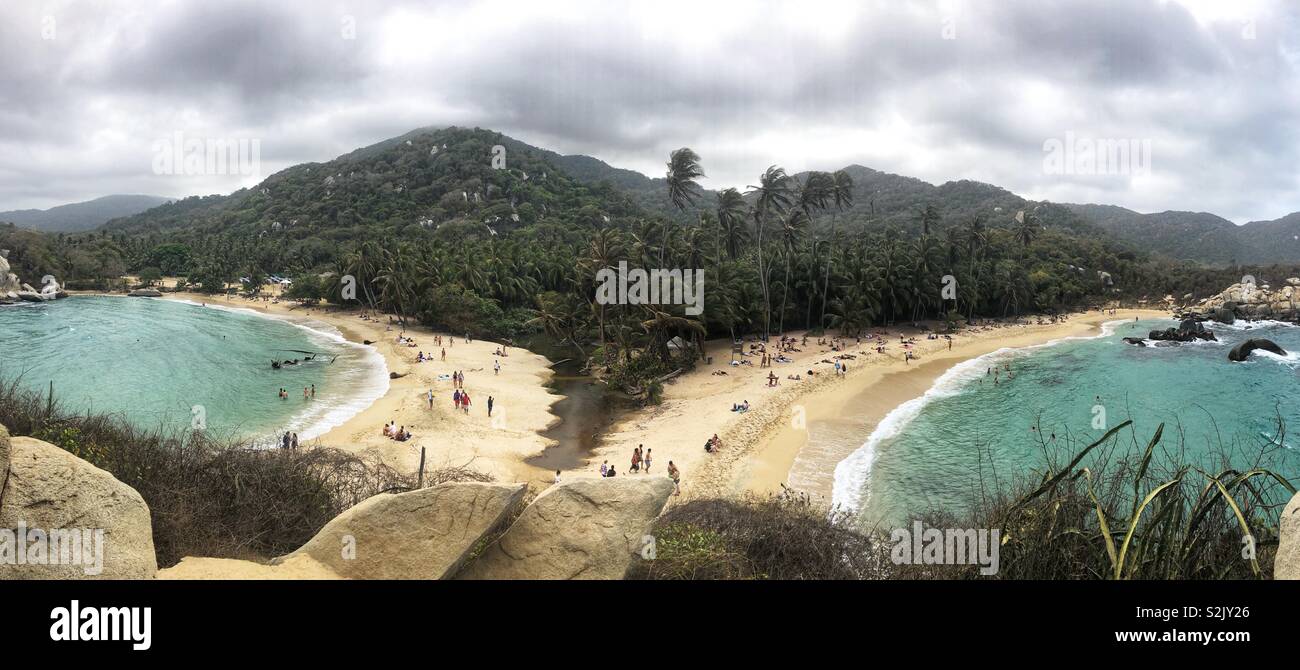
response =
{"points": [[169, 364], [967, 436]]}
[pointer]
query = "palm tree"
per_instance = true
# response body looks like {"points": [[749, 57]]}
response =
{"points": [[792, 228], [842, 197], [731, 216], [976, 240], [929, 216], [771, 196], [1027, 227]]}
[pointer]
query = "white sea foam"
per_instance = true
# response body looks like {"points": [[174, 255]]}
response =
{"points": [[368, 380], [852, 473]]}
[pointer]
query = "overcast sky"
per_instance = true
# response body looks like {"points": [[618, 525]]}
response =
{"points": [[1208, 92]]}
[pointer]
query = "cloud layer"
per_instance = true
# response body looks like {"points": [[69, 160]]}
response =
{"points": [[948, 90]]}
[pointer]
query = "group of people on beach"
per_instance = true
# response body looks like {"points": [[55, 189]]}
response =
{"points": [[642, 459], [289, 441], [392, 431]]}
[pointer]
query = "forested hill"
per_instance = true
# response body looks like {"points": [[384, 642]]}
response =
{"points": [[1199, 236], [81, 216]]}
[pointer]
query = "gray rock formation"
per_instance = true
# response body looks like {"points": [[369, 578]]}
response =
{"points": [[145, 293], [49, 489], [1242, 351], [584, 529], [1287, 563], [424, 534], [1250, 300]]}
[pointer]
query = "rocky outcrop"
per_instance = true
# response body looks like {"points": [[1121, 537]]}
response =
{"points": [[1242, 351], [584, 529], [145, 293], [1136, 341], [1189, 330], [423, 534], [1287, 563], [59, 497], [1254, 300]]}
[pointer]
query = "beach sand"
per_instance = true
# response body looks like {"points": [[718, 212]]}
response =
{"points": [[497, 446], [760, 446]]}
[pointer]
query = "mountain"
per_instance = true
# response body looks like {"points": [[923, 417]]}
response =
{"points": [[1200, 236], [81, 216]]}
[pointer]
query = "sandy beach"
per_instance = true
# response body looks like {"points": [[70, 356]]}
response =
{"points": [[760, 446]]}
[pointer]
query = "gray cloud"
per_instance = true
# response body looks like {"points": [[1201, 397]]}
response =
{"points": [[1213, 88]]}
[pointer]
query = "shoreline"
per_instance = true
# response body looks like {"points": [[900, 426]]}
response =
{"points": [[762, 447]]}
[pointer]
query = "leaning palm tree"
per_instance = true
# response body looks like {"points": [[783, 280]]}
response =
{"points": [[842, 197], [683, 171], [792, 228], [771, 196]]}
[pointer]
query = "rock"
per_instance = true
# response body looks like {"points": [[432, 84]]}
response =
{"points": [[297, 567], [1137, 341], [396, 375], [583, 529], [50, 489], [424, 534], [145, 293], [1242, 351], [1224, 315], [1287, 563]]}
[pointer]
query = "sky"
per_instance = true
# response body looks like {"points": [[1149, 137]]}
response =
{"points": [[1148, 104]]}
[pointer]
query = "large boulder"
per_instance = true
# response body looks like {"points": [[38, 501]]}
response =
{"points": [[51, 492], [1287, 563], [423, 534], [145, 293], [583, 529], [1242, 351]]}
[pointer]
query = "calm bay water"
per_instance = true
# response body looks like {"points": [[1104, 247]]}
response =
{"points": [[932, 452], [153, 361]]}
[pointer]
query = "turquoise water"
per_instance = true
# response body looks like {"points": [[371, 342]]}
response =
{"points": [[161, 363], [966, 433]]}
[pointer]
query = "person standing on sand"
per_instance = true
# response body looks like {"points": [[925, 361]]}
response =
{"points": [[464, 401], [676, 476], [293, 444], [557, 476], [647, 460], [431, 399], [455, 399], [604, 469], [496, 367], [636, 460], [444, 355], [491, 400]]}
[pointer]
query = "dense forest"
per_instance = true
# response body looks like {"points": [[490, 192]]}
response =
{"points": [[443, 227]]}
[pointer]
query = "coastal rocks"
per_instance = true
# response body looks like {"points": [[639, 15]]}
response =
{"points": [[145, 293], [49, 489], [1242, 351], [1287, 563], [422, 534], [9, 284], [584, 529], [1136, 341], [1189, 330], [1253, 300]]}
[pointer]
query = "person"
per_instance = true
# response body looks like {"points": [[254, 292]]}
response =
{"points": [[676, 476], [430, 398], [490, 402], [305, 393], [464, 401], [636, 460], [284, 441], [647, 460], [496, 367], [293, 444], [444, 355], [455, 398], [313, 390], [604, 469], [611, 472], [557, 476]]}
